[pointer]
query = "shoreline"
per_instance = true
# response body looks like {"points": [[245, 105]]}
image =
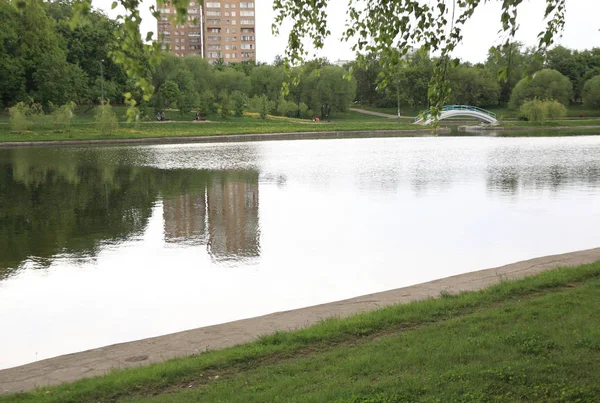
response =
{"points": [[228, 138], [95, 362], [476, 129]]}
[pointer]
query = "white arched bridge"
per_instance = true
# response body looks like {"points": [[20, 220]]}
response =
{"points": [[451, 111]]}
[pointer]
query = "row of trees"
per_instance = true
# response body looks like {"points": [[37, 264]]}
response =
{"points": [[191, 83], [43, 58], [509, 76]]}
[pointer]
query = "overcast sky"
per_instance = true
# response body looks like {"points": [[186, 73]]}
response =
{"points": [[581, 30]]}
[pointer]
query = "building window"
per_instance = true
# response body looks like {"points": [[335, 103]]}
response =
{"points": [[182, 47], [246, 13], [214, 38], [247, 22], [247, 46], [227, 47], [247, 38], [217, 30], [213, 21], [213, 13], [213, 54], [227, 56], [213, 47], [213, 4], [246, 5], [233, 13]]}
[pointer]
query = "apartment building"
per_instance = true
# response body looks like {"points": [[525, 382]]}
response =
{"points": [[218, 30]]}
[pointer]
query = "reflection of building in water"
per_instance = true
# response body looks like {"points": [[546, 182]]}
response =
{"points": [[233, 218], [185, 217], [224, 217]]}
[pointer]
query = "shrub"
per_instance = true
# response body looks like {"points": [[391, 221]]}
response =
{"points": [[18, 117], [545, 84], [554, 109], [224, 104], [262, 105], [24, 116], [106, 119], [287, 108], [240, 102], [533, 111], [539, 111], [591, 93], [62, 115]]}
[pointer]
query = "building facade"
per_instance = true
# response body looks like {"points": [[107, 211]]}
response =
{"points": [[217, 30]]}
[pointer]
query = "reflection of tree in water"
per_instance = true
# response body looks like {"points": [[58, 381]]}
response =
{"points": [[71, 202], [511, 179]]}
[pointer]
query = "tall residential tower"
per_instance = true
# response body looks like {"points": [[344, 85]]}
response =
{"points": [[224, 30]]}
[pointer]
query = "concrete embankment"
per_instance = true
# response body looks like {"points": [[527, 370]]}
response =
{"points": [[68, 368]]}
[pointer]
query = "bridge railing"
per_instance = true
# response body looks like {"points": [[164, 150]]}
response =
{"points": [[427, 112]]}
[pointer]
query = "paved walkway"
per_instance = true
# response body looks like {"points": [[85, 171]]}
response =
{"points": [[380, 114], [68, 368]]}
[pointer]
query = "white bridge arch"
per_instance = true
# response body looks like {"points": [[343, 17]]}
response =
{"points": [[450, 111]]}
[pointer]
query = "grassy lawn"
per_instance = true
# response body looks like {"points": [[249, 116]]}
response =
{"points": [[83, 128], [531, 340]]}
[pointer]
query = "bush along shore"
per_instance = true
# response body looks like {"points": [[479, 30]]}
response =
{"points": [[530, 340]]}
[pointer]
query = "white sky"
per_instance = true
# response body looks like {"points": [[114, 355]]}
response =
{"points": [[581, 30]]}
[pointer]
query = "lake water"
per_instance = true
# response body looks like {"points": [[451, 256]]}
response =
{"points": [[100, 245]]}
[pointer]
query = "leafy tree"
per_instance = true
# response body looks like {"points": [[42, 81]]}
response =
{"points": [[473, 86], [240, 102], [224, 104], [591, 93], [168, 95], [545, 84], [207, 103], [266, 80], [106, 119], [328, 89]]}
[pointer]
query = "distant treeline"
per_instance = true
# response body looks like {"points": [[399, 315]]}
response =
{"points": [[43, 59], [509, 76]]}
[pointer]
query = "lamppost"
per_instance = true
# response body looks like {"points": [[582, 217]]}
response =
{"points": [[102, 81]]}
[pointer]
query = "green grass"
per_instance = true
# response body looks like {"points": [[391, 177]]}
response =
{"points": [[83, 128], [536, 339]]}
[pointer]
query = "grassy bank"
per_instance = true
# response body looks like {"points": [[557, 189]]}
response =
{"points": [[84, 129], [536, 339]]}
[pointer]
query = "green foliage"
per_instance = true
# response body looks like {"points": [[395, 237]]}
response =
{"points": [[224, 104], [207, 103], [168, 95], [240, 102], [591, 93], [106, 119], [545, 84], [473, 86], [554, 109], [19, 117], [533, 110], [287, 108], [539, 111], [261, 104], [133, 112], [63, 115]]}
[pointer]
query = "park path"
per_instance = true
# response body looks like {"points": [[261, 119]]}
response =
{"points": [[71, 367], [380, 114]]}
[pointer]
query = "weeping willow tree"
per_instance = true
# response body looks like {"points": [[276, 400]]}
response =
{"points": [[385, 27]]}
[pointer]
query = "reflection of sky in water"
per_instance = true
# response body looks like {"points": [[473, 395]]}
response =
{"points": [[226, 231]]}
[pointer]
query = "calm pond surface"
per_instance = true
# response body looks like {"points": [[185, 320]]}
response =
{"points": [[100, 245]]}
